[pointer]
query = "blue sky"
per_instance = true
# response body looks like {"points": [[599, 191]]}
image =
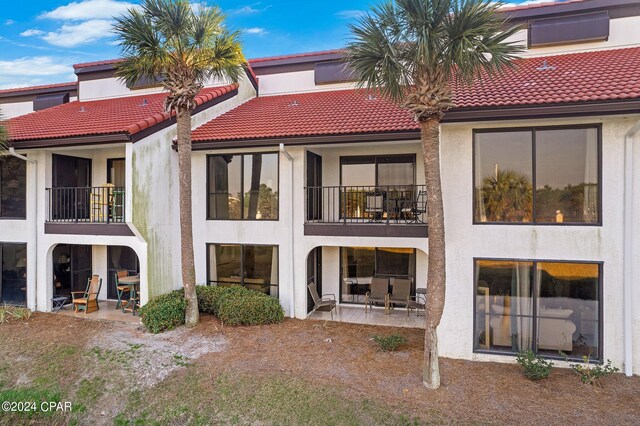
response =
{"points": [[42, 39]]}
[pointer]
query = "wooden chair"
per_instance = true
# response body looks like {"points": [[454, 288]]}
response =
{"points": [[121, 288], [379, 293], [88, 301], [323, 302]]}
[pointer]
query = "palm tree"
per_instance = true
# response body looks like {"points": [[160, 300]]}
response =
{"points": [[507, 197], [415, 52], [181, 47]]}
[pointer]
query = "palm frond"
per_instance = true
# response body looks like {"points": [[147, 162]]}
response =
{"points": [[413, 50], [182, 46]]}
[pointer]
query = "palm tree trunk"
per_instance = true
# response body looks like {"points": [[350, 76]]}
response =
{"points": [[186, 226], [436, 274]]}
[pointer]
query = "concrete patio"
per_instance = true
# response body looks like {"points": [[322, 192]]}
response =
{"points": [[356, 314], [107, 312]]}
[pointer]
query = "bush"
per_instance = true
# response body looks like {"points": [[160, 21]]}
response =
{"points": [[535, 367], [390, 343], [591, 373], [164, 312], [252, 308], [209, 298]]}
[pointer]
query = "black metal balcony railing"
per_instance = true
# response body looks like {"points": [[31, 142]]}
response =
{"points": [[387, 204], [101, 204]]}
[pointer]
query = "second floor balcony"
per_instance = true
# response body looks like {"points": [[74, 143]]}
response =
{"points": [[98, 205], [383, 210]]}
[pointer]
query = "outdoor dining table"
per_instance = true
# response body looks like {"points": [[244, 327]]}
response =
{"points": [[134, 282]]}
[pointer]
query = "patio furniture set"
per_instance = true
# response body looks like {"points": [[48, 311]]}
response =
{"points": [[87, 300], [378, 293]]}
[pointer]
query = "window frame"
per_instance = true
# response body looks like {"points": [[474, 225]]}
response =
{"points": [[210, 283], [375, 160], [534, 298], [26, 185], [26, 278], [242, 155], [533, 130]]}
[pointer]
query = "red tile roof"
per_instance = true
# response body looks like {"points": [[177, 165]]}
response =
{"points": [[128, 115], [44, 86], [605, 75]]}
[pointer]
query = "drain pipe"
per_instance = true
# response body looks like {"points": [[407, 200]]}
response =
{"points": [[292, 306], [628, 249], [13, 153]]}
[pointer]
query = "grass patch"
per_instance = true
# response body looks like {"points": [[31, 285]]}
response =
{"points": [[30, 399], [196, 398], [13, 313]]}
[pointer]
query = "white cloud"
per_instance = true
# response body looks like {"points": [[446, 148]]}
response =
{"points": [[35, 66], [9, 22], [71, 35], [256, 31], [31, 32], [88, 10], [250, 9], [350, 14]]}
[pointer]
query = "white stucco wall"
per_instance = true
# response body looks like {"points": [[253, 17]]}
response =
{"points": [[15, 109], [466, 241], [295, 82]]}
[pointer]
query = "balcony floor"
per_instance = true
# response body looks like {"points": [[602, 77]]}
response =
{"points": [[355, 314]]}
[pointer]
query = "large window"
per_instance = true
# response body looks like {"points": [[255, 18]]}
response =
{"points": [[548, 307], [13, 188], [543, 176], [380, 170], [242, 187], [252, 266], [13, 277], [358, 265]]}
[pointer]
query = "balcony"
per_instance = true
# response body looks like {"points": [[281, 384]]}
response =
{"points": [[391, 210], [86, 210]]}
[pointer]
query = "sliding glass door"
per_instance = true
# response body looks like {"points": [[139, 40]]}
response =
{"points": [[359, 265], [13, 280]]}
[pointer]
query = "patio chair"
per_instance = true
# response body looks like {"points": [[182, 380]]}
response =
{"points": [[418, 303], [323, 302], [412, 210], [400, 292], [379, 293], [121, 288], [88, 299], [374, 206]]}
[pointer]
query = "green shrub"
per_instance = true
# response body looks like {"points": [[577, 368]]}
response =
{"points": [[210, 297], [535, 367], [164, 312], [390, 343], [591, 373], [252, 308]]}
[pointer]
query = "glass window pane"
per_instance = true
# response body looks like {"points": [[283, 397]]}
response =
{"points": [[13, 281], [261, 186], [225, 267], [396, 174], [395, 262], [225, 190], [359, 174], [568, 308], [567, 175], [358, 268], [261, 269], [504, 305], [13, 188], [503, 177]]}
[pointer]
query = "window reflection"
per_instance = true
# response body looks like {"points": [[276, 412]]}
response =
{"points": [[13, 278], [566, 178], [243, 186], [13, 188], [566, 314], [252, 266]]}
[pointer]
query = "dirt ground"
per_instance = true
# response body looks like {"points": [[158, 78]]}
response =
{"points": [[117, 372]]}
